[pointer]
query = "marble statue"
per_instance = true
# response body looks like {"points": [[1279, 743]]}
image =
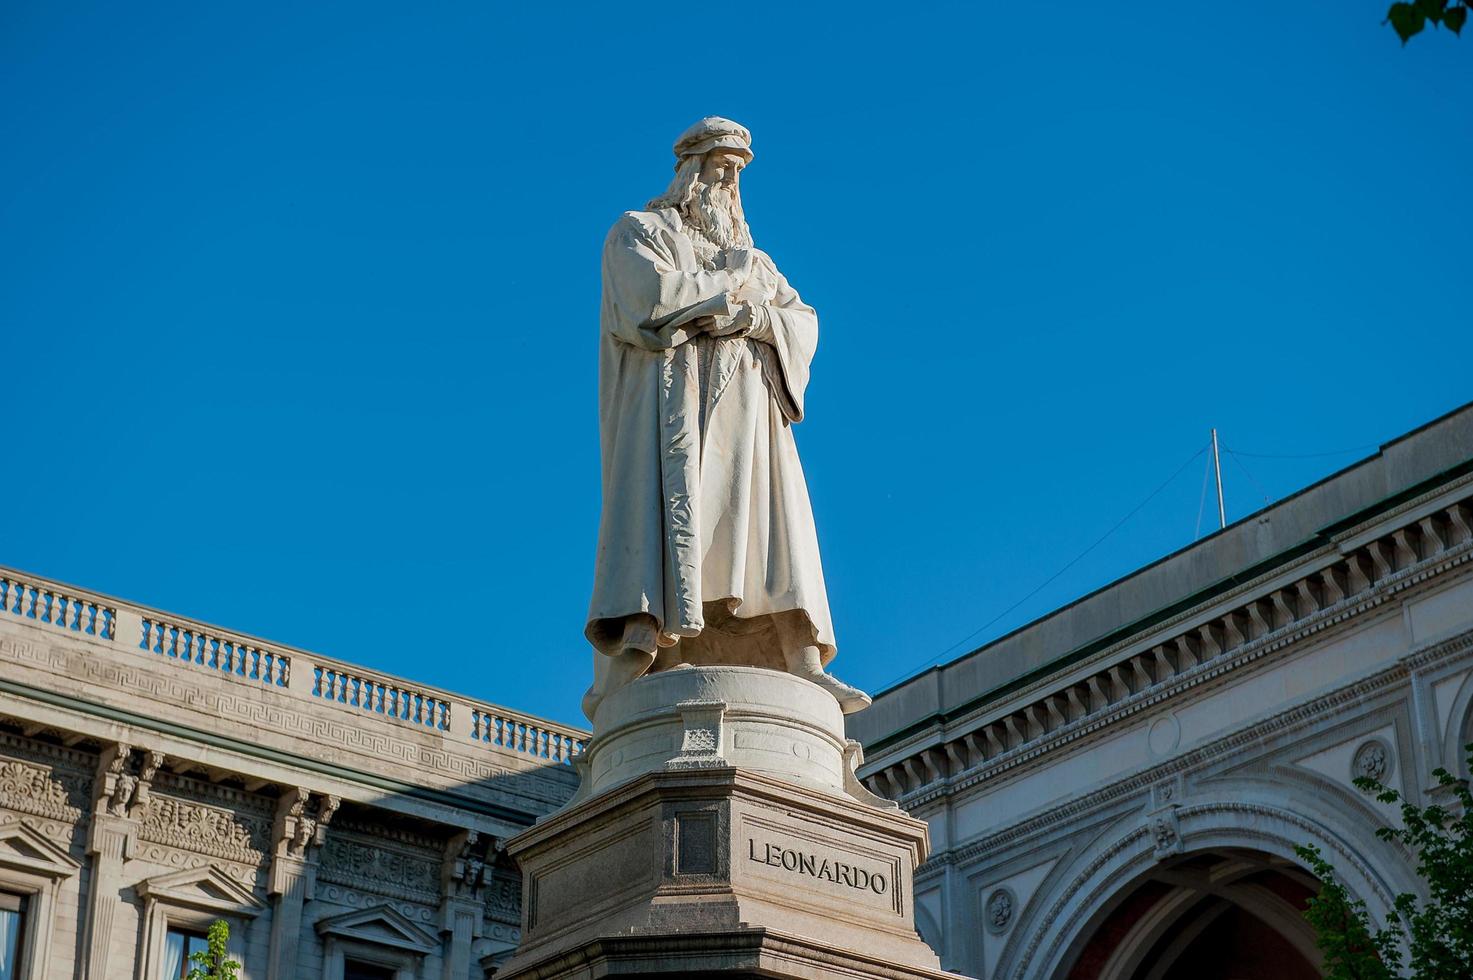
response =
{"points": [[707, 551]]}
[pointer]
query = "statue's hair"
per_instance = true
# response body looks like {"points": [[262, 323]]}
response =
{"points": [[685, 195], [682, 188]]}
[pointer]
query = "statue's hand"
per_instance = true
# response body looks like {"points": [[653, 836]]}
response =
{"points": [[752, 321], [735, 325]]}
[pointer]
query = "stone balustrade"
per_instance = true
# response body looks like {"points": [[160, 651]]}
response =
{"points": [[137, 631]]}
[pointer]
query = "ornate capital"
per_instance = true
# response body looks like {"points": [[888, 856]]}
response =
{"points": [[301, 823], [124, 779], [463, 872]]}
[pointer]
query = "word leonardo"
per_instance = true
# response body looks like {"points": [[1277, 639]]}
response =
{"points": [[809, 864]]}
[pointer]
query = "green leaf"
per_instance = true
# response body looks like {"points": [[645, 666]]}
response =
{"points": [[1454, 18], [1406, 20], [1431, 9]]}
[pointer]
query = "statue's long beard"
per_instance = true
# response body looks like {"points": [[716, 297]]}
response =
{"points": [[715, 216]]}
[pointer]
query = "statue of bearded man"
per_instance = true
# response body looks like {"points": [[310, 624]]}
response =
{"points": [[707, 551]]}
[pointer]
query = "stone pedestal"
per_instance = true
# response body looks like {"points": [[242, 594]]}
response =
{"points": [[720, 832]]}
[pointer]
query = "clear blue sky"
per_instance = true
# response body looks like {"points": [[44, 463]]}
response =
{"points": [[298, 305]]}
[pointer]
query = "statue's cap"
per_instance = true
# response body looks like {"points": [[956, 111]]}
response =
{"points": [[714, 133]]}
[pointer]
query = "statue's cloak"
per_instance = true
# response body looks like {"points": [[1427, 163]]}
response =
{"points": [[706, 524]]}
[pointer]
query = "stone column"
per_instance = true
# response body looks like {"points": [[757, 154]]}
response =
{"points": [[300, 828], [462, 904], [119, 802]]}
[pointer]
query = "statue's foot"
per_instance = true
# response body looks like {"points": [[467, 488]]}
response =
{"points": [[851, 699]]}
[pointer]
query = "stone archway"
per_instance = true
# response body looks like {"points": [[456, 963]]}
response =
{"points": [[1230, 914], [1246, 824]]}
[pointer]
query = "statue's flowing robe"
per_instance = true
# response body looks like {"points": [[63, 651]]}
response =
{"points": [[706, 524]]}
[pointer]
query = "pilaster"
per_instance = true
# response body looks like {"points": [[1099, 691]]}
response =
{"points": [[300, 828], [122, 788], [462, 905]]}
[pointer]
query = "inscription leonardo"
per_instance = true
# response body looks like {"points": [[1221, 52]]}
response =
{"points": [[792, 859]]}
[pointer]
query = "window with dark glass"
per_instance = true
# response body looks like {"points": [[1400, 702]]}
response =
{"points": [[179, 946], [12, 934], [359, 970]]}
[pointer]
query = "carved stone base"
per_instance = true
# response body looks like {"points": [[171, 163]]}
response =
{"points": [[683, 864]]}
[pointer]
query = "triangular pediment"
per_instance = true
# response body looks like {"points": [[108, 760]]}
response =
{"points": [[381, 925], [24, 848], [206, 888]]}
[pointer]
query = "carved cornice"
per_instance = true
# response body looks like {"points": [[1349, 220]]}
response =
{"points": [[53, 755], [1020, 713], [1307, 715], [356, 824], [214, 794]]}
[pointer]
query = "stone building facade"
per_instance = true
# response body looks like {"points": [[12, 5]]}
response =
{"points": [[158, 773], [1116, 790]]}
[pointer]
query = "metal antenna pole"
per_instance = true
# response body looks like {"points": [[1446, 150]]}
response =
{"points": [[1217, 466]]}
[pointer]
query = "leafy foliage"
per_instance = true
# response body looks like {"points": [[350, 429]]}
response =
{"points": [[215, 963], [1408, 19], [1437, 933]]}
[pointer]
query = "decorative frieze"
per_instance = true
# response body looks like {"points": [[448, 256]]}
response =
{"points": [[503, 894], [368, 865], [190, 826], [44, 791]]}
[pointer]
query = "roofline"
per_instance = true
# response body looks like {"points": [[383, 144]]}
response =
{"points": [[1318, 539]]}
